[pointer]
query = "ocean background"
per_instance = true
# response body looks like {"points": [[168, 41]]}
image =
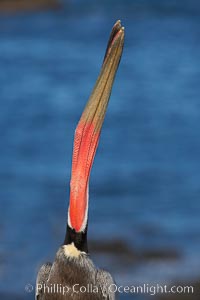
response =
{"points": [[145, 181]]}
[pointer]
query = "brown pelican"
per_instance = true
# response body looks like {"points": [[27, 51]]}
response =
{"points": [[73, 274]]}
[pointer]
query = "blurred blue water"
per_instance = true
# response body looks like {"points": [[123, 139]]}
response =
{"points": [[146, 172]]}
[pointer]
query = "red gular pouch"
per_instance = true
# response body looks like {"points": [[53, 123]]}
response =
{"points": [[88, 131]]}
